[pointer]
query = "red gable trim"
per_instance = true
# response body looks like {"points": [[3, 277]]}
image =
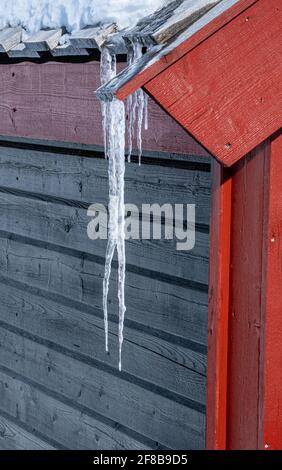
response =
{"points": [[167, 60], [225, 89]]}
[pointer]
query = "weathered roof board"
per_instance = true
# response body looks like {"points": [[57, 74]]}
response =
{"points": [[68, 50], [9, 38], [44, 40], [92, 37], [21, 51], [169, 21]]}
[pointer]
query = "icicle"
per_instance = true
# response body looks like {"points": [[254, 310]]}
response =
{"points": [[140, 106], [146, 113], [107, 72], [113, 115], [137, 106], [116, 236]]}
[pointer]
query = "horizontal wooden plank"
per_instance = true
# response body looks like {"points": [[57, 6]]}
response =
{"points": [[72, 428], [86, 179], [175, 308], [68, 50], [56, 101], [15, 437], [157, 417], [66, 225], [60, 275], [146, 357]]}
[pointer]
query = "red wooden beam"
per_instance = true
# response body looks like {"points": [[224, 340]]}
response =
{"points": [[271, 368], [245, 322], [218, 307]]}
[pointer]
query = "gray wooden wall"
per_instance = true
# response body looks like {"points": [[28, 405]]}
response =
{"points": [[58, 387]]}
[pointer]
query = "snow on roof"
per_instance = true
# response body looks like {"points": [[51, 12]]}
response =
{"points": [[46, 21], [170, 20], [34, 15]]}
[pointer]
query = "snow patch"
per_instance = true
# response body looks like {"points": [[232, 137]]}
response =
{"points": [[34, 15]]}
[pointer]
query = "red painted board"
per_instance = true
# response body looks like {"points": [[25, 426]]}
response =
{"points": [[227, 91], [246, 318], [56, 101], [271, 368], [218, 308], [244, 380]]}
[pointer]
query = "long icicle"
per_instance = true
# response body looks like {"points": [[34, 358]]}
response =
{"points": [[113, 115], [137, 106], [114, 138]]}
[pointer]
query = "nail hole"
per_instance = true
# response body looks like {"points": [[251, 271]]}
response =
{"points": [[228, 145]]}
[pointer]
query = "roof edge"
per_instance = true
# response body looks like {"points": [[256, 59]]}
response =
{"points": [[160, 57]]}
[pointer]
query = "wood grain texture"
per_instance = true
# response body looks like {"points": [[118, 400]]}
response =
{"points": [[92, 37], [219, 276], [9, 38], [43, 40], [250, 337], [73, 429], [68, 50], [159, 362], [159, 58], [245, 314], [51, 320], [271, 359], [14, 437], [167, 22], [56, 101], [227, 91], [176, 309], [21, 51], [148, 413]]}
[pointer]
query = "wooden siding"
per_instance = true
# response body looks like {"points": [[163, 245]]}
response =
{"points": [[58, 387], [56, 101]]}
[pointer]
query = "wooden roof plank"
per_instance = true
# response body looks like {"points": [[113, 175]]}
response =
{"points": [[9, 38], [22, 52], [68, 50], [169, 21], [44, 40], [92, 38]]}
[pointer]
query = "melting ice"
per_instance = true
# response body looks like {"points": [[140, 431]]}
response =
{"points": [[113, 115]]}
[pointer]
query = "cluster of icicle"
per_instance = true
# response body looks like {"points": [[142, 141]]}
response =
{"points": [[114, 119]]}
